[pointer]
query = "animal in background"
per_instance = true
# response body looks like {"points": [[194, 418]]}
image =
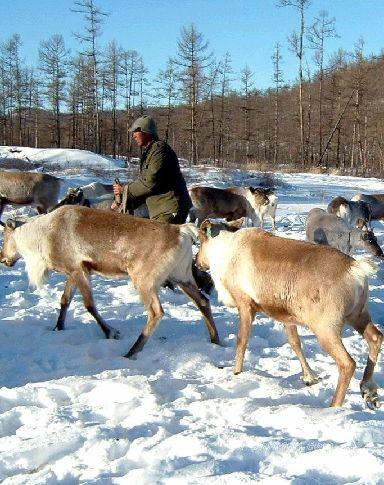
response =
{"points": [[296, 283], [91, 195], [37, 189], [214, 202], [375, 202], [79, 241], [355, 213], [231, 204], [264, 202], [96, 195], [330, 230]]}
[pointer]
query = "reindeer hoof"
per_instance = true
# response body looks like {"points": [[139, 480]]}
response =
{"points": [[311, 382], [114, 334], [372, 400], [131, 355], [310, 378]]}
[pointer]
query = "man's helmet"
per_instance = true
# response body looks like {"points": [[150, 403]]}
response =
{"points": [[145, 123]]}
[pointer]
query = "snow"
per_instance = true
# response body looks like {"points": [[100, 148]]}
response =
{"points": [[73, 410], [57, 157]]}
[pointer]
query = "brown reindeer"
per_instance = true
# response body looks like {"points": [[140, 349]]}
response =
{"points": [[232, 203], [78, 241], [375, 203], [296, 283], [29, 188], [214, 202], [355, 213]]}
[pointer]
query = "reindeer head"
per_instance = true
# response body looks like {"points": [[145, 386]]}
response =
{"points": [[370, 244], [74, 196], [9, 253], [209, 230], [260, 195]]}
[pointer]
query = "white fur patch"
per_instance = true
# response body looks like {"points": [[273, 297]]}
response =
{"points": [[36, 268], [219, 252], [181, 261], [31, 242], [363, 267]]}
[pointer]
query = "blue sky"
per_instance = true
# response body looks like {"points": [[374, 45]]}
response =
{"points": [[247, 29]]}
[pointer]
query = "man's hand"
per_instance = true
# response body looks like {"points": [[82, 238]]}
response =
{"points": [[117, 189], [115, 206]]}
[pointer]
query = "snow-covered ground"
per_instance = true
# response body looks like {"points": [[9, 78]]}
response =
{"points": [[59, 158], [73, 410]]}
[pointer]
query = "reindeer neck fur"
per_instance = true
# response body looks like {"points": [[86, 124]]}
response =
{"points": [[247, 194], [33, 248], [220, 252]]}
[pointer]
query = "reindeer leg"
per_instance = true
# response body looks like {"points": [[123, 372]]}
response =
{"points": [[368, 386], [204, 306], [363, 324], [254, 219], [65, 301], [3, 203], [330, 340], [155, 313], [247, 313], [273, 222], [309, 377], [80, 279]]}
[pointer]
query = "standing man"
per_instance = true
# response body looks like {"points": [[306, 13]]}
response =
{"points": [[160, 184]]}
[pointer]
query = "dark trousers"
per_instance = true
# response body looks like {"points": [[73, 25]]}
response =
{"points": [[178, 218], [203, 279]]}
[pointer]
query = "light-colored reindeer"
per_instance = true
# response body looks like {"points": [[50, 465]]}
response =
{"points": [[296, 283], [78, 241], [96, 195]]}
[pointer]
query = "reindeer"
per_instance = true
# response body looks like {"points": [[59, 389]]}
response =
{"points": [[231, 203], [297, 283], [96, 195], [375, 203], [214, 202], [355, 213], [29, 188], [328, 229], [264, 202], [78, 241]]}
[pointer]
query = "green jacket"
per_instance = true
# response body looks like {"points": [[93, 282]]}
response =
{"points": [[160, 183]]}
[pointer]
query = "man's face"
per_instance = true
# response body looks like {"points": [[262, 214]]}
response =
{"points": [[142, 138]]}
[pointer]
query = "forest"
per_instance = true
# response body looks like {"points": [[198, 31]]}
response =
{"points": [[328, 119]]}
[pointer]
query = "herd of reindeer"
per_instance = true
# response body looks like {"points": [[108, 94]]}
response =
{"points": [[314, 283]]}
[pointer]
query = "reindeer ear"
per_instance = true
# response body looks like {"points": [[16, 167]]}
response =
{"points": [[237, 224], [206, 227], [10, 223]]}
